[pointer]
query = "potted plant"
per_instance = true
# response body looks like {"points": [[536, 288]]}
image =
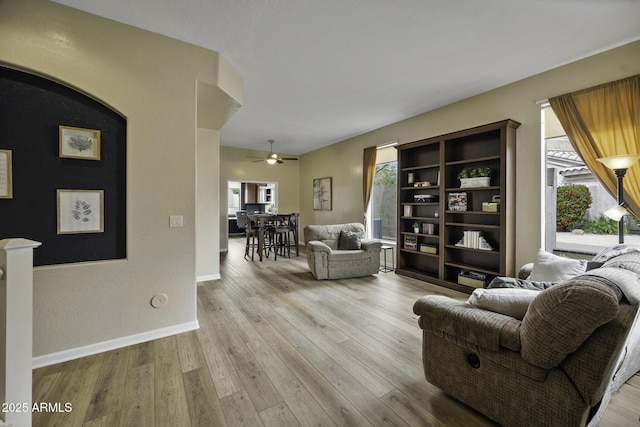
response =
{"points": [[416, 227], [475, 177]]}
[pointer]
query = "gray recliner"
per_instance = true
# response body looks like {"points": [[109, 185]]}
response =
{"points": [[558, 366]]}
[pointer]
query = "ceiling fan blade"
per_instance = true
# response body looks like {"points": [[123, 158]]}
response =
{"points": [[288, 158], [280, 161], [259, 160]]}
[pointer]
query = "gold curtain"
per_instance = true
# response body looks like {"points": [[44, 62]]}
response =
{"points": [[604, 121], [368, 170]]}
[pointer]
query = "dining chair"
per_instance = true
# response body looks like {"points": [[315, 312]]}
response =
{"points": [[241, 220]]}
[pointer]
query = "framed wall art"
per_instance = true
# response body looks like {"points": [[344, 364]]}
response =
{"points": [[6, 185], [322, 194], [80, 211], [79, 143]]}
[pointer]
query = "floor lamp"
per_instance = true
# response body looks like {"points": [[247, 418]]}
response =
{"points": [[619, 165]]}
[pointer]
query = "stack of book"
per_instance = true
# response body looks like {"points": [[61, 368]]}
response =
{"points": [[474, 240], [471, 239]]}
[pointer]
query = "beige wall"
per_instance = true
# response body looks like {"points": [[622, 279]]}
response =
{"points": [[155, 83], [518, 101], [237, 166]]}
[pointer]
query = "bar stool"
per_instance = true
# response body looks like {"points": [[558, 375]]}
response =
{"points": [[279, 240], [293, 232], [251, 234]]}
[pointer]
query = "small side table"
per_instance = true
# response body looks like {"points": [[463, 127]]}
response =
{"points": [[384, 268]]}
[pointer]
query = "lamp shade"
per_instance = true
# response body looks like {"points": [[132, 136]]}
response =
{"points": [[620, 162], [616, 213], [271, 161]]}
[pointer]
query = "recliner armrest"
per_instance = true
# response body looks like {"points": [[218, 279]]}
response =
{"points": [[317, 246], [464, 322], [371, 245]]}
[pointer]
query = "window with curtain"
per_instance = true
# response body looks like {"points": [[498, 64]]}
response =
{"points": [[575, 199], [383, 207], [604, 121]]}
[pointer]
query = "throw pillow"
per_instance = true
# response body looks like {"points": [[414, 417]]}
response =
{"points": [[512, 282], [552, 268], [349, 240], [509, 301], [613, 251]]}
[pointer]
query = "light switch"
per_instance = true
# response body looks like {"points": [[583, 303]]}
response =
{"points": [[175, 221]]}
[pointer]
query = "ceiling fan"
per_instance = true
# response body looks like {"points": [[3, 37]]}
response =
{"points": [[272, 158]]}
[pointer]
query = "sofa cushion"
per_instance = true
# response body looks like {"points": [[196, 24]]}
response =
{"points": [[512, 282], [627, 261], [509, 301], [562, 317], [330, 234], [548, 267], [349, 240], [613, 251]]}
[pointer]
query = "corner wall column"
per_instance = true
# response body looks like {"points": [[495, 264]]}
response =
{"points": [[16, 328]]}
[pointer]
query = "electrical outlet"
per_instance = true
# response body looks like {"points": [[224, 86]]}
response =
{"points": [[159, 300], [175, 221]]}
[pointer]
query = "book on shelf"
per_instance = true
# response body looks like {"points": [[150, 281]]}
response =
{"points": [[474, 239], [408, 210]]}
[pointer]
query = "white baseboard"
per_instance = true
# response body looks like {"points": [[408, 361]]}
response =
{"points": [[88, 350], [208, 277]]}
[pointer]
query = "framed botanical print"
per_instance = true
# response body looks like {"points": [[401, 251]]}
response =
{"points": [[79, 143], [322, 194], [80, 211]]}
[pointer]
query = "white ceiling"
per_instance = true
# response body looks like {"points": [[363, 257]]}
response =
{"points": [[319, 71]]}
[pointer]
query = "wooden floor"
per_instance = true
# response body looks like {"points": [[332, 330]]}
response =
{"points": [[276, 348]]}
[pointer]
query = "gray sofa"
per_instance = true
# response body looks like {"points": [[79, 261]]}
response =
{"points": [[576, 343], [328, 260]]}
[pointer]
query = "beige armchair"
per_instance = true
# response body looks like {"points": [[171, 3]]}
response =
{"points": [[328, 259]]}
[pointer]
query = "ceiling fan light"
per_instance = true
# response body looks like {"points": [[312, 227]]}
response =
{"points": [[272, 160]]}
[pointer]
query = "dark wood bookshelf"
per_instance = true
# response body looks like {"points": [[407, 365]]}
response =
{"points": [[434, 163]]}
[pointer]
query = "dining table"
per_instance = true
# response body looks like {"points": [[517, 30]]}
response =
{"points": [[262, 220]]}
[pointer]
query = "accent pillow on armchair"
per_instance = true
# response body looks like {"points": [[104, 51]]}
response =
{"points": [[349, 240]]}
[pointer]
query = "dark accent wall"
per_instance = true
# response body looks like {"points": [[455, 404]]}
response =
{"points": [[31, 109]]}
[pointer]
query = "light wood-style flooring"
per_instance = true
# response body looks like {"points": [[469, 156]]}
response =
{"points": [[276, 348]]}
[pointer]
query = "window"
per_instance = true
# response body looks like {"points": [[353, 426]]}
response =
{"points": [[233, 198], [383, 208], [571, 225]]}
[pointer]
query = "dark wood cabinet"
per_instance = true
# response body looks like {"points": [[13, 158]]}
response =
{"points": [[465, 236]]}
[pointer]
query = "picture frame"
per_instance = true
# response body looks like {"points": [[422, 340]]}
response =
{"points": [[458, 202], [80, 211], [322, 189], [410, 242], [6, 175], [79, 143]]}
